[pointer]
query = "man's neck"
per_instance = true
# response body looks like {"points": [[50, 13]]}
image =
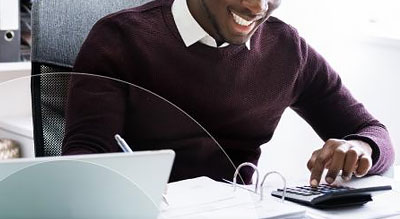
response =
{"points": [[200, 14]]}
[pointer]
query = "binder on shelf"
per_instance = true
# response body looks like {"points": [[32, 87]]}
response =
{"points": [[10, 34]]}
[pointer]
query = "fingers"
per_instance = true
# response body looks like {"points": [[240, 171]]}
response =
{"points": [[328, 164], [350, 163], [364, 164], [320, 161], [316, 172], [338, 162], [311, 162], [339, 155]]}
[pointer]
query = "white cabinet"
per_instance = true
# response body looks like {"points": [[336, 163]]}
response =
{"points": [[13, 70], [15, 105]]}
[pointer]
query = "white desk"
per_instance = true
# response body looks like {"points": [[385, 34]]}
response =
{"points": [[397, 173]]}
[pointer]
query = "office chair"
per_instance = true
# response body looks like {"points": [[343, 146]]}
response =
{"points": [[58, 31]]}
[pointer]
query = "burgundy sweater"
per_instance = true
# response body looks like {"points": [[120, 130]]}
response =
{"points": [[237, 95]]}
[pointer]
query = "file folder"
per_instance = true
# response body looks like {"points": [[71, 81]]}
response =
{"points": [[10, 34]]}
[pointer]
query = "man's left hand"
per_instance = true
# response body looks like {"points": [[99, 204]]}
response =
{"points": [[352, 156]]}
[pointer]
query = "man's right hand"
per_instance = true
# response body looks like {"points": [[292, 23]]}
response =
{"points": [[352, 156]]}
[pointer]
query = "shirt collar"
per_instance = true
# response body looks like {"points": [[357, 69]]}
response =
{"points": [[191, 31]]}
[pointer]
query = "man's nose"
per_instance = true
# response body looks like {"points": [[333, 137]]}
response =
{"points": [[256, 6]]}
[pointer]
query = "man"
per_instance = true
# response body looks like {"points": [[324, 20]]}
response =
{"points": [[235, 69]]}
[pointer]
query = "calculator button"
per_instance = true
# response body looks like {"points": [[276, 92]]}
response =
{"points": [[305, 192], [339, 190], [298, 191], [309, 188], [289, 190]]}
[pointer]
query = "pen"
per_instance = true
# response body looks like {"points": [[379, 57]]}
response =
{"points": [[122, 143], [125, 148]]}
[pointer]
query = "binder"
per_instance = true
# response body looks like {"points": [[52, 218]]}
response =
{"points": [[10, 34], [203, 197]]}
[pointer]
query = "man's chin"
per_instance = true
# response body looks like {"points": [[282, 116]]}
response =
{"points": [[238, 42]]}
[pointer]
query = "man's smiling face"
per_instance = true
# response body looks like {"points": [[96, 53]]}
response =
{"points": [[235, 21]]}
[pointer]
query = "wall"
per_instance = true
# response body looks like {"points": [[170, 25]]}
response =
{"points": [[365, 55]]}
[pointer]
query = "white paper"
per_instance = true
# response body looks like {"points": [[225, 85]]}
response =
{"points": [[9, 12]]}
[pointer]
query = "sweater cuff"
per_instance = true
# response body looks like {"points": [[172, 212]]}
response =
{"points": [[376, 152]]}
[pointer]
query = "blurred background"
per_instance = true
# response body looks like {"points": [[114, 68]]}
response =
{"points": [[359, 38], [361, 41]]}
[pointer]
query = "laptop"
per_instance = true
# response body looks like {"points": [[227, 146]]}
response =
{"points": [[117, 185]]}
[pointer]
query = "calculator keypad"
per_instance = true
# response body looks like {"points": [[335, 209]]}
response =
{"points": [[321, 189]]}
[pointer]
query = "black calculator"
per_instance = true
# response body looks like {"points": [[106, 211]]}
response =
{"points": [[328, 196]]}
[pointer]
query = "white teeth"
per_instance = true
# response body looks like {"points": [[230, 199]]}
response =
{"points": [[241, 21]]}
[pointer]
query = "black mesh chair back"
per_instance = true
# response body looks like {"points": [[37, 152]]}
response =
{"points": [[58, 31]]}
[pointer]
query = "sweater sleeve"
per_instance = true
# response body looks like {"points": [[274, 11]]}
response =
{"points": [[95, 109], [328, 106]]}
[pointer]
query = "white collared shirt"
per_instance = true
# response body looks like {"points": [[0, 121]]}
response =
{"points": [[191, 31]]}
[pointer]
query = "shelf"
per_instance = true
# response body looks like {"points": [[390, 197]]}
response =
{"points": [[19, 129], [15, 66], [21, 125], [13, 70]]}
